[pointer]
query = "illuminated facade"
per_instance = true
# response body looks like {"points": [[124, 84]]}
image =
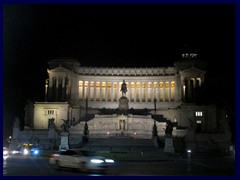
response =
{"points": [[68, 82], [82, 94]]}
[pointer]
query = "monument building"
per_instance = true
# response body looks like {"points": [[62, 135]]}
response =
{"points": [[106, 103]]}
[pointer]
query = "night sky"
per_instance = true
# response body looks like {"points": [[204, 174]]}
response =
{"points": [[111, 36]]}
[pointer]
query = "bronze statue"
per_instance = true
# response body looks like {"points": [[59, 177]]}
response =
{"points": [[169, 128], [124, 88], [65, 126], [51, 123]]}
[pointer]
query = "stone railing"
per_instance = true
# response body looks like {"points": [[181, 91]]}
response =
{"points": [[152, 71]]}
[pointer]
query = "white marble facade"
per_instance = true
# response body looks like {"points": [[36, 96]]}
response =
{"points": [[73, 91]]}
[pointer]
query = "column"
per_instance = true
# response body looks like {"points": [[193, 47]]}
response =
{"points": [[200, 81], [46, 90], [95, 91], [194, 82], [106, 91], [164, 93], [50, 89], [158, 92], [117, 90], [130, 91], [146, 100], [173, 91], [88, 93], [63, 89], [169, 91], [189, 90], [68, 89], [112, 94], [140, 91], [56, 97], [83, 90], [176, 90], [183, 90], [152, 84], [50, 82], [193, 89], [100, 91], [134, 92]]}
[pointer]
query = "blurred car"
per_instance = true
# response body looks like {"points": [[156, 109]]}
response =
{"points": [[83, 160], [26, 150], [5, 153]]}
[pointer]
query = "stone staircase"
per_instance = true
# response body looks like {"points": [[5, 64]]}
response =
{"points": [[120, 144]]}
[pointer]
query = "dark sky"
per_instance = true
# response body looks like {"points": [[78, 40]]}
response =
{"points": [[110, 36]]}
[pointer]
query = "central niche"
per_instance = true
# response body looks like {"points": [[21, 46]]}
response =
{"points": [[122, 125]]}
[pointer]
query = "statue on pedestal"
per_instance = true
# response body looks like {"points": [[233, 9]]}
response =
{"points": [[169, 138], [51, 123], [169, 128], [65, 126], [124, 88], [64, 135], [123, 101]]}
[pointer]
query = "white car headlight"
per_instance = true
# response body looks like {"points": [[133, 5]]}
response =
{"points": [[5, 152], [97, 161], [5, 157], [25, 151], [109, 160], [15, 152]]}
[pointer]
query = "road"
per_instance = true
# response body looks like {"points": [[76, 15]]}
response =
{"points": [[215, 166]]}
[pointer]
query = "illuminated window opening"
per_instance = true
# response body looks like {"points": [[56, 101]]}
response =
{"points": [[198, 113], [50, 112]]}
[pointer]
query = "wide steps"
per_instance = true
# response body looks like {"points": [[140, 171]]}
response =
{"points": [[120, 144]]}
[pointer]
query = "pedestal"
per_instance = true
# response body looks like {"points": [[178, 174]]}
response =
{"points": [[51, 133], [169, 144], [123, 103], [64, 141]]}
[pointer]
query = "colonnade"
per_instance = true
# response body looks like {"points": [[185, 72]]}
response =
{"points": [[57, 89], [137, 91], [189, 84]]}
